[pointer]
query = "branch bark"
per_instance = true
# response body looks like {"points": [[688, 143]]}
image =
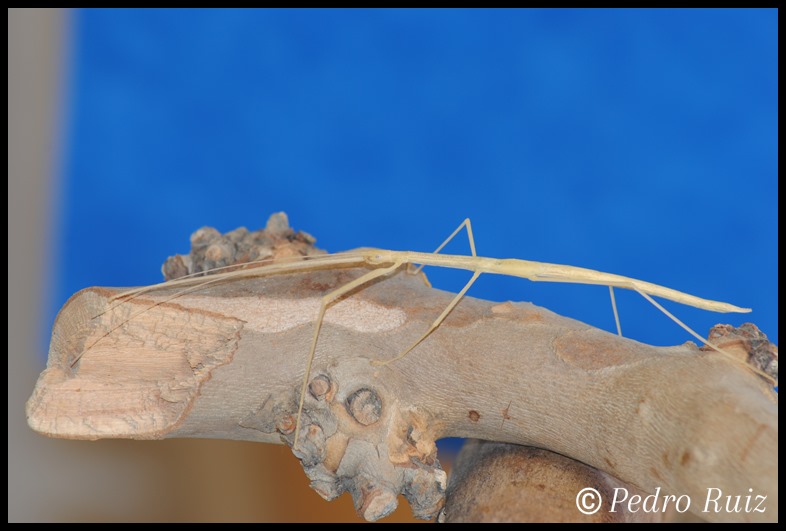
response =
{"points": [[500, 482], [228, 361]]}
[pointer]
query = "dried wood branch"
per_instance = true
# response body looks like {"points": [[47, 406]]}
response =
{"points": [[499, 482], [227, 362]]}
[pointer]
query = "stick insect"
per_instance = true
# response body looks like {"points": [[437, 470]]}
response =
{"points": [[386, 262]]}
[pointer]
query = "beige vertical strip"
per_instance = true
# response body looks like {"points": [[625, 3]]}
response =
{"points": [[34, 38]]}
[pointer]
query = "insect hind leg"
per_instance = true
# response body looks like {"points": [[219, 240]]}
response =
{"points": [[697, 336], [676, 320], [614, 309]]}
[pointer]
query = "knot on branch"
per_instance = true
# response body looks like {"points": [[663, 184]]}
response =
{"points": [[211, 250], [358, 440], [749, 344]]}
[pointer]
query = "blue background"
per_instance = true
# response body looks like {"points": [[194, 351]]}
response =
{"points": [[639, 142]]}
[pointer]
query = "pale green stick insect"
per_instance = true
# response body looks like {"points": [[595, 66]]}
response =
{"points": [[385, 262]]}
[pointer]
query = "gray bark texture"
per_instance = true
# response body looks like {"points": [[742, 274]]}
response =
{"points": [[228, 360]]}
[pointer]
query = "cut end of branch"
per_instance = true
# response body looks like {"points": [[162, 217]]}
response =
{"points": [[132, 384]]}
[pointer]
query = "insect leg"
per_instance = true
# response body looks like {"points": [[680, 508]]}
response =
{"points": [[326, 300], [468, 224], [435, 324], [697, 336], [465, 223], [614, 308]]}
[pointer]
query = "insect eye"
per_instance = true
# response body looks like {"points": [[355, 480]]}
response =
{"points": [[375, 258]]}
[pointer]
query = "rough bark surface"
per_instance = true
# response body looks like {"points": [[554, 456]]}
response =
{"points": [[227, 361]]}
